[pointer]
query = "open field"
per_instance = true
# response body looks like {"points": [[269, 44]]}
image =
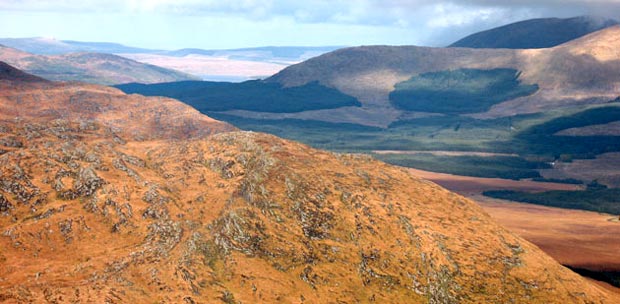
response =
{"points": [[469, 186], [581, 239], [576, 238]]}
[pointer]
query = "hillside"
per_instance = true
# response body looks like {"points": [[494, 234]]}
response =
{"points": [[235, 216], [535, 33], [9, 73], [578, 72], [128, 116], [89, 67]]}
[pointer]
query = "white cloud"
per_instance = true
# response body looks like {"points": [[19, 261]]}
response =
{"points": [[430, 22], [386, 12]]}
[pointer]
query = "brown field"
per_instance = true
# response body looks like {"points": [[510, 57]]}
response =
{"points": [[577, 238], [468, 186]]}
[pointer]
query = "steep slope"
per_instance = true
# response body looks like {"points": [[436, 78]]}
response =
{"points": [[89, 67], [98, 204], [535, 33]]}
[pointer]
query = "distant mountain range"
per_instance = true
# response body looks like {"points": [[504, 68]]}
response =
{"points": [[536, 33], [96, 68], [50, 46], [218, 65], [233, 65]]}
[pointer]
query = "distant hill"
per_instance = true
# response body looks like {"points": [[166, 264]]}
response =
{"points": [[9, 73], [582, 70], [51, 46], [209, 64], [535, 33], [89, 67], [232, 64]]}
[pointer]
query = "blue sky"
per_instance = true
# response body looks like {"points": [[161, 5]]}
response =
{"points": [[211, 24]]}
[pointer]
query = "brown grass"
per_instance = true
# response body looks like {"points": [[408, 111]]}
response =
{"points": [[580, 239], [577, 238]]}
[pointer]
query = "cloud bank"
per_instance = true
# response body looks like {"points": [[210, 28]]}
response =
{"points": [[374, 12], [430, 22]]}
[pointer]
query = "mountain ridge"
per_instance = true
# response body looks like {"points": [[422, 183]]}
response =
{"points": [[567, 74], [535, 33], [89, 67]]}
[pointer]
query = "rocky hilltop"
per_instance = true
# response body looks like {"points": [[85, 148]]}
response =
{"points": [[106, 197]]}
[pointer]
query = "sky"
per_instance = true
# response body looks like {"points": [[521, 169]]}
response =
{"points": [[220, 24]]}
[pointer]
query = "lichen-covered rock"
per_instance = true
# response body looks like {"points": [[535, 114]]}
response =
{"points": [[5, 205]]}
